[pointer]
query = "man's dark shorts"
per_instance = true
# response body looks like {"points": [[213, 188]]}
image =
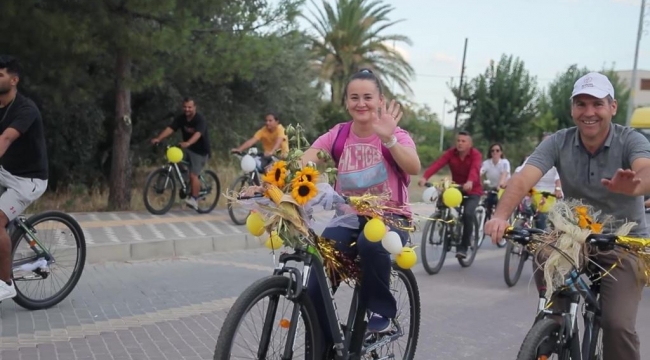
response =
{"points": [[197, 162]]}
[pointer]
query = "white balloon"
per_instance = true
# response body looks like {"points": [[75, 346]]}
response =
{"points": [[392, 243], [430, 195], [247, 163]]}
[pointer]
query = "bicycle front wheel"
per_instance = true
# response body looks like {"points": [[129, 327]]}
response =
{"points": [[541, 342], [159, 191], [237, 213], [40, 282], [266, 314], [210, 186], [434, 245]]}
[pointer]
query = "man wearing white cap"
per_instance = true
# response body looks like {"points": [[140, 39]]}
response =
{"points": [[607, 166]]}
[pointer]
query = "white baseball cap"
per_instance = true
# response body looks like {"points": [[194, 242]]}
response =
{"points": [[594, 84]]}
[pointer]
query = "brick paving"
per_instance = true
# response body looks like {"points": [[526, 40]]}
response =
{"points": [[173, 309]]}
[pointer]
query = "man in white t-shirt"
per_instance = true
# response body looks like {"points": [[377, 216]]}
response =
{"points": [[550, 182]]}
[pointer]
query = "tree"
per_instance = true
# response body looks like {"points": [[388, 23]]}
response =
{"points": [[558, 101], [350, 36], [559, 93], [503, 104], [133, 33]]}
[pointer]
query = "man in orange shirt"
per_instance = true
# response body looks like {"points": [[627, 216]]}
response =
{"points": [[272, 137], [465, 164]]}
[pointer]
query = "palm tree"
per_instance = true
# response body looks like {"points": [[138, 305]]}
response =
{"points": [[350, 36]]}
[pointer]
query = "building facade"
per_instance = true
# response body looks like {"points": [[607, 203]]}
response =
{"points": [[642, 87]]}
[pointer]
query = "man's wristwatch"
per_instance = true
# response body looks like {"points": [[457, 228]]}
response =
{"points": [[391, 142], [557, 188]]}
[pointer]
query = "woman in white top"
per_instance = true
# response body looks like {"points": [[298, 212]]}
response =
{"points": [[497, 171]]}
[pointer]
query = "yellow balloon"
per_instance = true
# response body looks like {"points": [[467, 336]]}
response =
{"points": [[407, 258], [500, 193], [374, 230], [546, 206], [255, 224], [174, 154], [452, 197], [274, 242]]}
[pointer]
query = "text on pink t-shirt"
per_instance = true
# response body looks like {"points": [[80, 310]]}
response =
{"points": [[362, 167]]}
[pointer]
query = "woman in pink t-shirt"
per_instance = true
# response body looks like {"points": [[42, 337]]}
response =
{"points": [[376, 156]]}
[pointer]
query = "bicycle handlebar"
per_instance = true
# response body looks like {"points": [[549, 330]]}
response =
{"points": [[525, 236]]}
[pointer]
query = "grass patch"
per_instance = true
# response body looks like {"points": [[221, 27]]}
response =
{"points": [[80, 198]]}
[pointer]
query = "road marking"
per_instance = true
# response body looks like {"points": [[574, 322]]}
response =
{"points": [[125, 323], [134, 233]]}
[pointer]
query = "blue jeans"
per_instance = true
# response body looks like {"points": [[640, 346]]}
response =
{"points": [[541, 220], [375, 292]]}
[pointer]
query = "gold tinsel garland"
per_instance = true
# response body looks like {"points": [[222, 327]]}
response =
{"points": [[572, 222]]}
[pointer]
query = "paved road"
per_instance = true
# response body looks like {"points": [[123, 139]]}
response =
{"points": [[173, 309]]}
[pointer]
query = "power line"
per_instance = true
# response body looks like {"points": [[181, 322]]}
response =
{"points": [[456, 76]]}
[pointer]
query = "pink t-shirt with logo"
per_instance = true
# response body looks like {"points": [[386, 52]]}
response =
{"points": [[362, 167]]}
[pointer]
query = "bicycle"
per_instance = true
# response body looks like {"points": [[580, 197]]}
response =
{"points": [[450, 231], [248, 178], [549, 336], [524, 216], [35, 262], [350, 340], [483, 208], [169, 175]]}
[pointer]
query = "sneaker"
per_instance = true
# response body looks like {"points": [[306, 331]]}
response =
{"points": [[191, 202], [461, 253], [7, 291], [379, 324]]}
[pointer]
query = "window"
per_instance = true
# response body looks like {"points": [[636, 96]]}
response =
{"points": [[645, 84]]}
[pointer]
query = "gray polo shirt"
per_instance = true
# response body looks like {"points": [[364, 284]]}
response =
{"points": [[581, 172]]}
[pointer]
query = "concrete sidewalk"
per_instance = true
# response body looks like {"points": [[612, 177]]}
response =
{"points": [[124, 236]]}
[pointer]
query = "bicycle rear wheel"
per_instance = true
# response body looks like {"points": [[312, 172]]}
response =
{"points": [[210, 185], [402, 343], [67, 242], [481, 218], [268, 324], [473, 247]]}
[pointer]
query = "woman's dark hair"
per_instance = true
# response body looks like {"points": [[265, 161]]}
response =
{"points": [[489, 150], [363, 74]]}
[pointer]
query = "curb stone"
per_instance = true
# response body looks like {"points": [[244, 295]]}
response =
{"points": [[156, 249]]}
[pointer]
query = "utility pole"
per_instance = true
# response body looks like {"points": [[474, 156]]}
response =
{"points": [[630, 104], [442, 124], [460, 88]]}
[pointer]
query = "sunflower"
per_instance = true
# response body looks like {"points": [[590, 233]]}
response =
{"points": [[303, 192], [308, 174], [277, 174]]}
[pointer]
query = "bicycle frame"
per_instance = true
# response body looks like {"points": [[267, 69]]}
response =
{"points": [[348, 340], [21, 223], [575, 289]]}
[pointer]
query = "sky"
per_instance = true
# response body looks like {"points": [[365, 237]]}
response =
{"points": [[547, 35]]}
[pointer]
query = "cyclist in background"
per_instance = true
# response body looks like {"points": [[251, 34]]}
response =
{"points": [[465, 164], [550, 182], [272, 137], [195, 144], [497, 171]]}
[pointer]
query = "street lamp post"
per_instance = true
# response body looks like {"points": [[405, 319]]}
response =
{"points": [[630, 105]]}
